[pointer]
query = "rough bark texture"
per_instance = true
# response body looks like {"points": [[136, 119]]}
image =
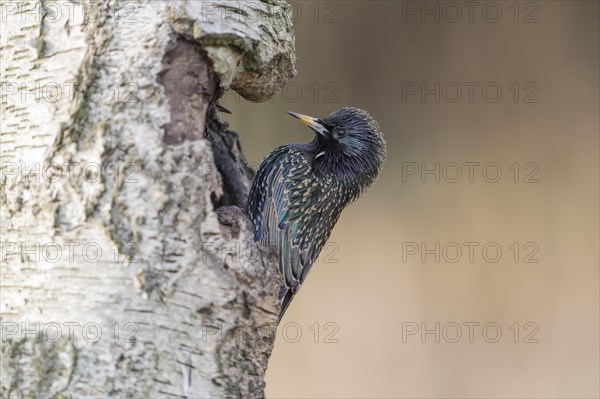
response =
{"points": [[120, 199]]}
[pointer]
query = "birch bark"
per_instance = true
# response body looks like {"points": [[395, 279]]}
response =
{"points": [[127, 267]]}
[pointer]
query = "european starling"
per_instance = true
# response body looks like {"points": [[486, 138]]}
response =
{"points": [[300, 189]]}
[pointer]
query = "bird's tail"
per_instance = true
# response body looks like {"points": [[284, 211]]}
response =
{"points": [[287, 296]]}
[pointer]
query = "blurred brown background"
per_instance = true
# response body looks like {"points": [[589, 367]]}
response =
{"points": [[372, 283]]}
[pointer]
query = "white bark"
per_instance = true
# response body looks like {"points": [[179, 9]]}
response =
{"points": [[109, 139]]}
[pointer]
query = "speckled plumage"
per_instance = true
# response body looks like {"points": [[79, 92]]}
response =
{"points": [[300, 190]]}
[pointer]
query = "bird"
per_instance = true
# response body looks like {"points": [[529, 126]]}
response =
{"points": [[300, 189]]}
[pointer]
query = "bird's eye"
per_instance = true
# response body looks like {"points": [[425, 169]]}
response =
{"points": [[341, 132]]}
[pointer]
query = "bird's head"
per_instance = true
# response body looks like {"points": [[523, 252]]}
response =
{"points": [[348, 143]]}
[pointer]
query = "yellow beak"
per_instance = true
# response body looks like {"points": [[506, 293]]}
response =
{"points": [[311, 122]]}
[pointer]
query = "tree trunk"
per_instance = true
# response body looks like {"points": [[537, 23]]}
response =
{"points": [[128, 268]]}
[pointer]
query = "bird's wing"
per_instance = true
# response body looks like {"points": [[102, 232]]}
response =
{"points": [[295, 211]]}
